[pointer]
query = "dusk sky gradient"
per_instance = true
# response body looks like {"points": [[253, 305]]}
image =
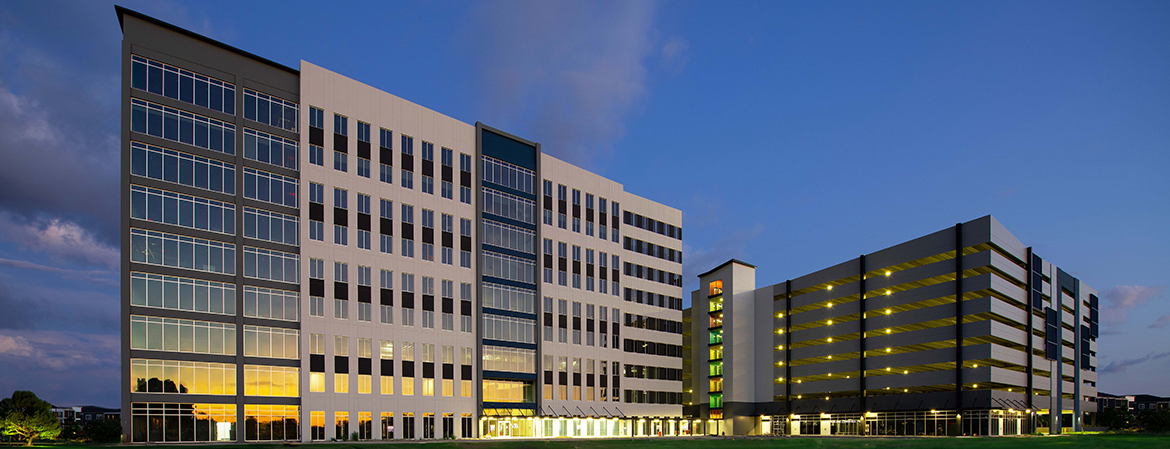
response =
{"points": [[792, 135]]}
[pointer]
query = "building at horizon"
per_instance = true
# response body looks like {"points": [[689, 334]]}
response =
{"points": [[879, 345], [306, 257]]}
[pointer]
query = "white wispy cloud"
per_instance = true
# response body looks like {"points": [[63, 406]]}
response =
{"points": [[1119, 300]]}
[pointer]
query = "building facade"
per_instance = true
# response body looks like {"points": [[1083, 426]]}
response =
{"points": [[880, 345], [517, 295]]}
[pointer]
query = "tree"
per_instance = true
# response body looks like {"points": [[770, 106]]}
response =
{"points": [[1154, 421], [102, 431], [27, 417]]}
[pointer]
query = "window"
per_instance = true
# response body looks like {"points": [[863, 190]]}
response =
{"points": [[386, 352], [316, 196], [508, 175], [428, 316], [386, 306], [363, 167], [386, 213], [317, 274], [181, 126], [340, 201], [576, 262], [182, 85], [364, 308], [270, 149], [464, 252], [465, 296], [172, 166], [407, 287], [270, 187], [268, 109], [577, 318], [548, 333]]}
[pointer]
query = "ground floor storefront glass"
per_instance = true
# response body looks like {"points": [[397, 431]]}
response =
{"points": [[167, 422], [574, 427], [925, 423]]}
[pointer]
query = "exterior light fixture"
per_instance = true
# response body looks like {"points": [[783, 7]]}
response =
{"points": [[889, 292], [830, 338], [906, 372], [830, 288], [887, 330], [887, 349], [888, 311], [887, 274], [887, 368]]}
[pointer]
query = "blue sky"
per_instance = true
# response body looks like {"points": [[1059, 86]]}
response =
{"points": [[793, 135]]}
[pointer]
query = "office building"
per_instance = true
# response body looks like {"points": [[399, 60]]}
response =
{"points": [[517, 295], [880, 345]]}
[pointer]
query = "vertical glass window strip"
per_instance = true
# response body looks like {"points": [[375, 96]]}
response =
{"points": [[270, 187], [270, 110], [188, 211], [163, 164], [508, 175], [182, 85], [269, 226], [177, 293], [269, 149], [182, 126], [159, 248]]}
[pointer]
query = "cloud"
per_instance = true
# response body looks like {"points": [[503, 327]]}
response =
{"points": [[64, 368], [64, 240], [59, 153], [732, 245], [16, 346], [1123, 298], [569, 72], [1161, 322], [1120, 366]]}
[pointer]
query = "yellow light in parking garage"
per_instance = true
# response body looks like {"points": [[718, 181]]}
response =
{"points": [[830, 338], [933, 411], [830, 357], [888, 292], [887, 274], [887, 330], [1009, 390], [976, 365], [830, 305], [826, 398], [799, 396], [974, 385], [887, 349], [887, 311], [907, 390], [905, 372], [830, 374], [781, 315], [830, 288], [887, 368], [846, 377], [798, 381], [830, 321]]}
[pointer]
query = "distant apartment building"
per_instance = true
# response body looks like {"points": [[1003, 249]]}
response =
{"points": [[1106, 401], [965, 331], [268, 209]]}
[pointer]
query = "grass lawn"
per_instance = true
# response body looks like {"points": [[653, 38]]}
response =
{"points": [[1063, 442]]}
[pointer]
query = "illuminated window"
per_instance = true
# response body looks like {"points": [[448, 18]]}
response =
{"points": [[717, 287]]}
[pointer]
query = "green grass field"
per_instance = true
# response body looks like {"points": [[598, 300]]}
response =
{"points": [[1063, 442]]}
